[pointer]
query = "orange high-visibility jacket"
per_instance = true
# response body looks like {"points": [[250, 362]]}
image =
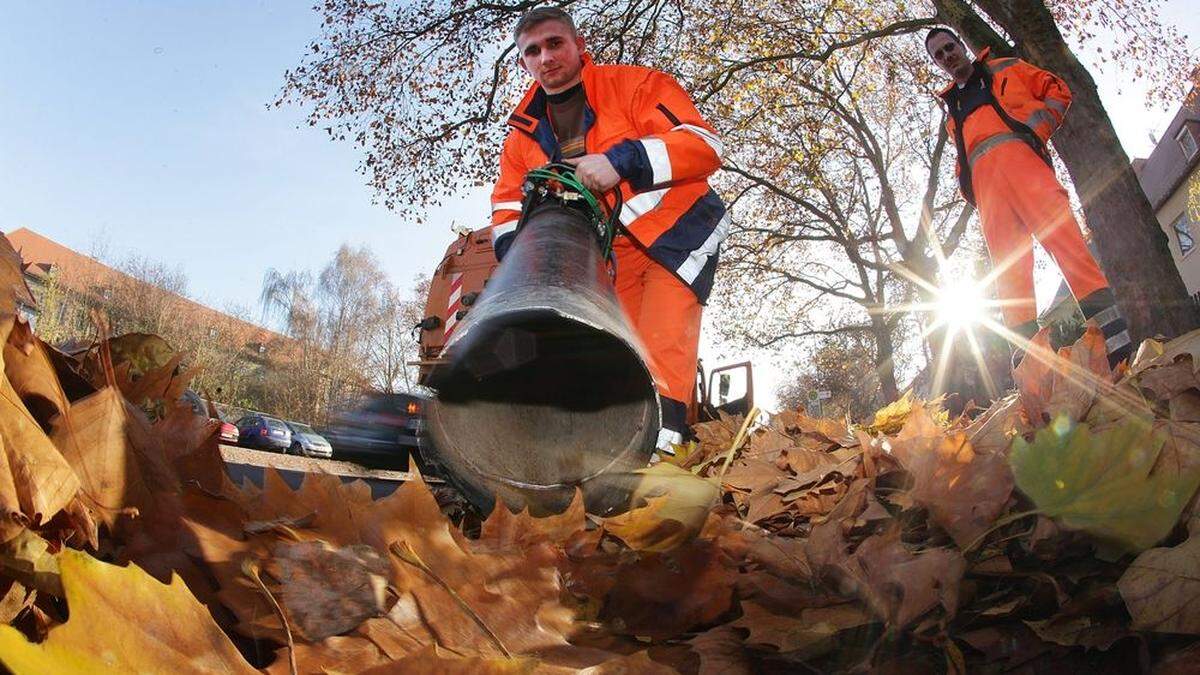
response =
{"points": [[1024, 103], [656, 140]]}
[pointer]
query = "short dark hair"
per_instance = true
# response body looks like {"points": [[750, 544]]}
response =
{"points": [[539, 14], [942, 29]]}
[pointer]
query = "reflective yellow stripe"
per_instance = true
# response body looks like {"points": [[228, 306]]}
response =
{"points": [[986, 146]]}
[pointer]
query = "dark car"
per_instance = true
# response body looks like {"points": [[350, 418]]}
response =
{"points": [[264, 433], [383, 430]]}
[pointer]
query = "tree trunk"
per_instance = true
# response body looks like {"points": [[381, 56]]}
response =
{"points": [[1133, 247], [885, 363]]}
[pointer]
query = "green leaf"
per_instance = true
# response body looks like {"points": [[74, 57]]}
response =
{"points": [[1101, 483]]}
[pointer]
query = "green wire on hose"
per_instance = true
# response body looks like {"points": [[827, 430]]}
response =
{"points": [[564, 174]]}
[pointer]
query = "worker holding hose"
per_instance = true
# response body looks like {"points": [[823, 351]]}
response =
{"points": [[1002, 113], [636, 130]]}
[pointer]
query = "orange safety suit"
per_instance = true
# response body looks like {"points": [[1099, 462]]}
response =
{"points": [[674, 223], [1004, 169]]}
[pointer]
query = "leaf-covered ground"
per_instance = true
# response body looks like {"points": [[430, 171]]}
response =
{"points": [[1055, 531]]}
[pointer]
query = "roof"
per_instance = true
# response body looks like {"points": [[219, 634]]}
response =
{"points": [[1161, 173], [80, 272]]}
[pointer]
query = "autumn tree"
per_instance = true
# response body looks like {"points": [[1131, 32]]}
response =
{"points": [[841, 366], [352, 331]]}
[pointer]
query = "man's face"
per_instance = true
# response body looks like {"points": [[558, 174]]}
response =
{"points": [[552, 55], [950, 55]]}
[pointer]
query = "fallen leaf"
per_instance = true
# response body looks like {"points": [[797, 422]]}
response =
{"points": [[1161, 588], [93, 439], [31, 373], [35, 481], [964, 491], [677, 506], [15, 600], [508, 531], [331, 655], [1102, 483], [665, 594], [123, 620], [430, 661], [328, 591], [802, 629], [900, 586], [13, 289], [27, 559], [722, 652]]}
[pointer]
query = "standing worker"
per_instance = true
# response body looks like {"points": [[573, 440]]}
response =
{"points": [[1002, 113], [635, 129]]}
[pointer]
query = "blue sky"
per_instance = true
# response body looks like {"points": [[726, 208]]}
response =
{"points": [[145, 125]]}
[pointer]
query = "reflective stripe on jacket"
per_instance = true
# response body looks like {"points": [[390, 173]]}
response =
{"points": [[660, 145]]}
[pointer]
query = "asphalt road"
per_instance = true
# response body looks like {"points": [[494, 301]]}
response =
{"points": [[244, 464]]}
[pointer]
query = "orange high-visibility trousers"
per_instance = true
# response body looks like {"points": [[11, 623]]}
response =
{"points": [[1019, 198], [665, 315]]}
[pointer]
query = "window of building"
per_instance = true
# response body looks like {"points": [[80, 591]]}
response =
{"points": [[262, 349], [212, 332], [1183, 232], [1187, 141]]}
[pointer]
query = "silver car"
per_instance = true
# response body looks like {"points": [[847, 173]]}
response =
{"points": [[307, 442]]}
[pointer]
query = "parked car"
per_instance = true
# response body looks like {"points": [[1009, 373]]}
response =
{"points": [[307, 442], [383, 430], [264, 433], [229, 433]]}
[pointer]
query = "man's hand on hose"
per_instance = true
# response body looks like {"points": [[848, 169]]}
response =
{"points": [[595, 172]]}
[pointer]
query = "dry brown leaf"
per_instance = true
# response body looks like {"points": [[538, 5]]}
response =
{"points": [[31, 373], [15, 599], [27, 559], [900, 586], [331, 655], [722, 651], [508, 531], [35, 481], [13, 289], [327, 591], [122, 620], [663, 595], [430, 661], [964, 491], [1161, 588], [93, 439], [802, 629]]}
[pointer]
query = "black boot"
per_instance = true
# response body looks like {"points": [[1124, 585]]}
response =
{"points": [[1026, 330], [1101, 306]]}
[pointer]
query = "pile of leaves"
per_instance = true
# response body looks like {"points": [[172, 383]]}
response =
{"points": [[1055, 530]]}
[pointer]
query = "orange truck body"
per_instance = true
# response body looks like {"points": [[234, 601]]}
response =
{"points": [[461, 276]]}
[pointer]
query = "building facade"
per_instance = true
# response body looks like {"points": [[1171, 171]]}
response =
{"points": [[1170, 177]]}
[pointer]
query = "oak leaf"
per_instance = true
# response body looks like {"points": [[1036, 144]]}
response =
{"points": [[123, 620], [1102, 483]]}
